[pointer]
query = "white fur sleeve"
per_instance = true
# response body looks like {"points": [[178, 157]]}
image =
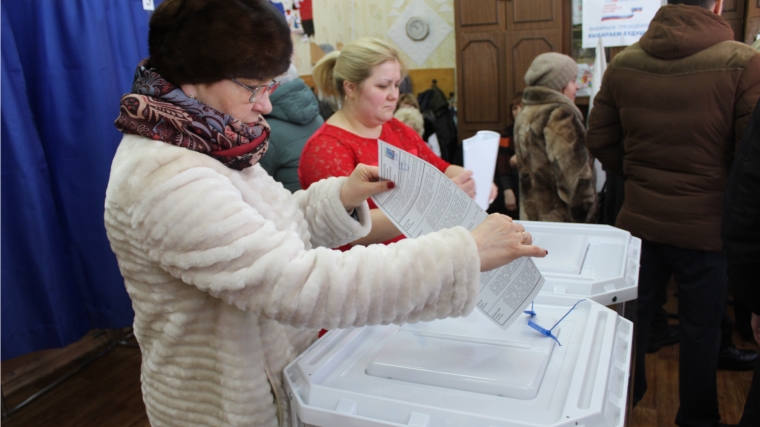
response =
{"points": [[329, 224], [196, 226]]}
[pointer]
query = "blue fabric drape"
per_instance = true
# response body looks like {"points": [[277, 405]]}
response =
{"points": [[65, 65]]}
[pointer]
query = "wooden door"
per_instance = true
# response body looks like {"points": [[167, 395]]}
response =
{"points": [[533, 14], [752, 27], [480, 82], [733, 13], [496, 42], [479, 15]]}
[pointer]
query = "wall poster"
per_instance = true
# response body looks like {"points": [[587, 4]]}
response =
{"points": [[616, 22]]}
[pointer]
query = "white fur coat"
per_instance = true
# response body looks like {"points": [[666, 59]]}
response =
{"points": [[231, 277]]}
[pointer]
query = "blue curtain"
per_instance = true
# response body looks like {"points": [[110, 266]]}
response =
{"points": [[65, 65]]}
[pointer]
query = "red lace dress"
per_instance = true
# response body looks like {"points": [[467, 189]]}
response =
{"points": [[333, 151]]}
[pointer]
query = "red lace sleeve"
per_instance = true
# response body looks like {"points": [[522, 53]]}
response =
{"points": [[324, 156]]}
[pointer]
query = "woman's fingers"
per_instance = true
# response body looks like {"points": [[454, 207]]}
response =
{"points": [[463, 177], [369, 173], [363, 183], [533, 251], [510, 201], [501, 241], [465, 182], [371, 177]]}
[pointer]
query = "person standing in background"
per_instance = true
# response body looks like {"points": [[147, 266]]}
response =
{"points": [[740, 230], [294, 118], [408, 112], [742, 313], [506, 177], [556, 173], [679, 99], [412, 117]]}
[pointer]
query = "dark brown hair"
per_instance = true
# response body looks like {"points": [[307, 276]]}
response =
{"points": [[206, 41]]}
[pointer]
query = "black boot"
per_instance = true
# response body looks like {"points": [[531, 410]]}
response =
{"points": [[735, 359]]}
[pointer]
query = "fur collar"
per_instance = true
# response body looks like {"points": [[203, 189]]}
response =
{"points": [[538, 95]]}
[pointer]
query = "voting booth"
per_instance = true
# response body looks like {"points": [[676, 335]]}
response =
{"points": [[470, 372]]}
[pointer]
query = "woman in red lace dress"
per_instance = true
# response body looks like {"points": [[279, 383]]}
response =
{"points": [[365, 78]]}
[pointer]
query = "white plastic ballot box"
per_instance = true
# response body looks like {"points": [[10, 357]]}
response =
{"points": [[469, 372], [598, 262]]}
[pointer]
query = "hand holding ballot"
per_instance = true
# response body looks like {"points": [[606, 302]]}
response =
{"points": [[501, 241], [465, 182], [424, 200], [363, 183]]}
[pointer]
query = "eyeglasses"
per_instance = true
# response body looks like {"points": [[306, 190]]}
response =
{"points": [[258, 90]]}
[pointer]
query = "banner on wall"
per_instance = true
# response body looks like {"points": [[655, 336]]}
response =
{"points": [[616, 22]]}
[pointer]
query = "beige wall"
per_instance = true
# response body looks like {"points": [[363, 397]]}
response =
{"points": [[301, 55], [340, 21]]}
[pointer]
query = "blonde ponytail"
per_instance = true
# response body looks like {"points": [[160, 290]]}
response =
{"points": [[354, 64], [324, 75]]}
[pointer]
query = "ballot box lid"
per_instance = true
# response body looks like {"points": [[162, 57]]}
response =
{"points": [[469, 372], [592, 261]]}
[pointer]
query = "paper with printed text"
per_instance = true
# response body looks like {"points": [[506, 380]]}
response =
{"points": [[425, 200]]}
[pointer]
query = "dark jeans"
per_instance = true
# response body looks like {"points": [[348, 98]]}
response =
{"points": [[743, 316], [659, 319], [751, 417], [701, 301], [660, 322], [726, 330]]}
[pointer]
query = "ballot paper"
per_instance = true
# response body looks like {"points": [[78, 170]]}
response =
{"points": [[480, 153], [425, 200]]}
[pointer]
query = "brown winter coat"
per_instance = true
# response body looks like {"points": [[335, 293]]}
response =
{"points": [[679, 100], [556, 177]]}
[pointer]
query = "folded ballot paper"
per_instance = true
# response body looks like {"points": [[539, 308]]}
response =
{"points": [[480, 153], [425, 200]]}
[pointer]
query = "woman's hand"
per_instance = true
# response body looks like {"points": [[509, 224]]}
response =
{"points": [[513, 161], [494, 193], [501, 241], [465, 182], [363, 182], [510, 201]]}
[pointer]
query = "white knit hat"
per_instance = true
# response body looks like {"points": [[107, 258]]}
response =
{"points": [[553, 70]]}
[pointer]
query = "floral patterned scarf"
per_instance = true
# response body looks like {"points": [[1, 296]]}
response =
{"points": [[158, 110]]}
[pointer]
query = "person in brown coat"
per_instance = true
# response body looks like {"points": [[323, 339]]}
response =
{"points": [[556, 174], [679, 100]]}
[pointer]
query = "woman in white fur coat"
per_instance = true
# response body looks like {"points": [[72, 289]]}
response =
{"points": [[230, 275]]}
